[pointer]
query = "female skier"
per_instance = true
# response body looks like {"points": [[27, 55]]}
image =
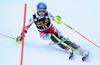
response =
{"points": [[42, 19]]}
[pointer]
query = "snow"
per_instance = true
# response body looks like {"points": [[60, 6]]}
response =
{"points": [[82, 15]]}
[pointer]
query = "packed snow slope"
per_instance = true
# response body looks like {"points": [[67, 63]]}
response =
{"points": [[82, 15]]}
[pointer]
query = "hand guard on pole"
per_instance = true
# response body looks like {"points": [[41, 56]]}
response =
{"points": [[19, 38], [58, 20]]}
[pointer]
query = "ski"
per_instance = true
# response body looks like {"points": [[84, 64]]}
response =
{"points": [[71, 56], [84, 58]]}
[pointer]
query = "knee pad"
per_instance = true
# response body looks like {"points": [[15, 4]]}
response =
{"points": [[62, 38], [74, 45], [54, 39]]}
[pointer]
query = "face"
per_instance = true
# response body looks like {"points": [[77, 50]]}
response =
{"points": [[41, 12]]}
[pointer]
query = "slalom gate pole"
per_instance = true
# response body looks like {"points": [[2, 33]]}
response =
{"points": [[6, 36], [81, 35], [23, 33]]}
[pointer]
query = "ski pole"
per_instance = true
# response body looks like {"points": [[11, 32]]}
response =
{"points": [[6, 36], [81, 35], [59, 20], [18, 42]]}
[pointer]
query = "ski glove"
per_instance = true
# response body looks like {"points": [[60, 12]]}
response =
{"points": [[58, 19], [19, 38]]}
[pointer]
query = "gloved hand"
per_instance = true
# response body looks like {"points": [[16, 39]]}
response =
{"points": [[19, 38], [58, 16], [58, 19]]}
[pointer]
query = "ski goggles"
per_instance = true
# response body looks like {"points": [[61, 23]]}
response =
{"points": [[41, 11]]}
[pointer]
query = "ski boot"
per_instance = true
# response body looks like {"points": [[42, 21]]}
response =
{"points": [[85, 57], [70, 52], [83, 53]]}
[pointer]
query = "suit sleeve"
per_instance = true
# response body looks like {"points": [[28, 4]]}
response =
{"points": [[29, 24]]}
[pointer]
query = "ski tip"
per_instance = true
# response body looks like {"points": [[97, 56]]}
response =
{"points": [[70, 58], [84, 59]]}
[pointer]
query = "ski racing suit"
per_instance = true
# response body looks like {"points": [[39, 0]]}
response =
{"points": [[48, 31]]}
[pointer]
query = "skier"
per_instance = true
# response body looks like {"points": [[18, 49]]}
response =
{"points": [[42, 20]]}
